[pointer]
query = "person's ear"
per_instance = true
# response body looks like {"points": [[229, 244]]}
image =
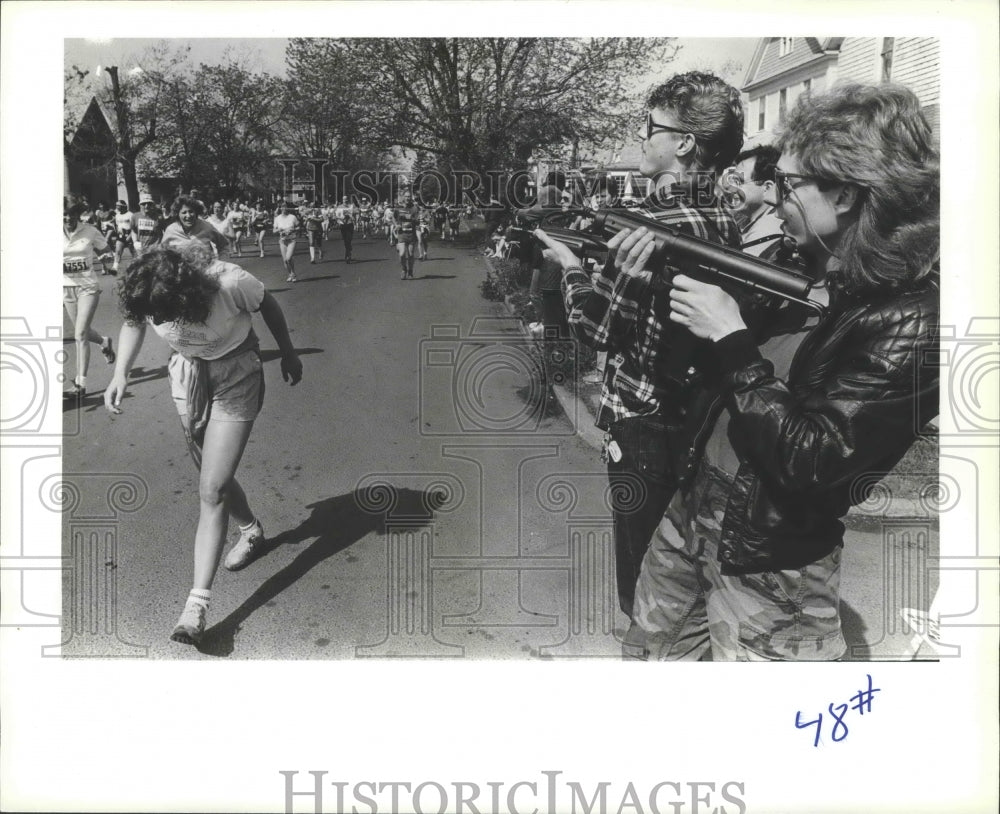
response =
{"points": [[846, 198], [686, 147]]}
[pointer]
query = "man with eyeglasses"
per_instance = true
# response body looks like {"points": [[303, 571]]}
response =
{"points": [[803, 421], [693, 129], [754, 171]]}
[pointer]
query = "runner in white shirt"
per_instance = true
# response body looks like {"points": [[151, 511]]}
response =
{"points": [[221, 222], [123, 234], [345, 215], [313, 217], [105, 219], [147, 226], [286, 227], [189, 226], [239, 220], [389, 224], [82, 293], [260, 219], [365, 216]]}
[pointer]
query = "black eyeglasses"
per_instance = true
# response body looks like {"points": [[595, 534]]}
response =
{"points": [[652, 127], [783, 187]]}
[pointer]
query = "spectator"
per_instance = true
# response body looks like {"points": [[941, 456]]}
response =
{"points": [[756, 218], [694, 127]]}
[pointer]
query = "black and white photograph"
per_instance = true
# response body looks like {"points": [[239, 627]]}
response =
{"points": [[428, 375]]}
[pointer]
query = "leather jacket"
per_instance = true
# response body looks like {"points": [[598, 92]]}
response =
{"points": [[860, 387]]}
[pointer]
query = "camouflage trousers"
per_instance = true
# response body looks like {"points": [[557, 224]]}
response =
{"points": [[686, 609]]}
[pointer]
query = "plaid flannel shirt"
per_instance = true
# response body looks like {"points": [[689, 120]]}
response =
{"points": [[626, 315]]}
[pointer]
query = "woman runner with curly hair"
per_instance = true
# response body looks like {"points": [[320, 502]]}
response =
{"points": [[203, 309]]}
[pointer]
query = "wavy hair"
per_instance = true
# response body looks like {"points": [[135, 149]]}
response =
{"points": [[191, 203], [168, 285], [710, 109], [877, 138]]}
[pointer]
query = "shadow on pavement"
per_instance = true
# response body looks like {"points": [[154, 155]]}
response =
{"points": [[854, 629], [271, 354], [95, 398], [337, 523], [317, 279], [434, 277]]}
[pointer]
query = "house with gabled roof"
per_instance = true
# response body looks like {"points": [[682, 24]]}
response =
{"points": [[782, 68], [89, 163]]}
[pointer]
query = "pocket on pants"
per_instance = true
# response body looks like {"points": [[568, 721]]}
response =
{"points": [[645, 448], [792, 614], [756, 644]]}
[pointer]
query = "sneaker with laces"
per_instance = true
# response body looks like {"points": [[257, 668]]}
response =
{"points": [[108, 351], [191, 625], [246, 549]]}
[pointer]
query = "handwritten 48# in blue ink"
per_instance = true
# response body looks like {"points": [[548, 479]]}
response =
{"points": [[838, 731]]}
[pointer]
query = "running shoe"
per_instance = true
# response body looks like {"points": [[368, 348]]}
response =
{"points": [[246, 549], [292, 279], [108, 351], [76, 392], [191, 625]]}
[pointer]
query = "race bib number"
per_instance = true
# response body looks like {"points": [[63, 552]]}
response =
{"points": [[75, 265]]}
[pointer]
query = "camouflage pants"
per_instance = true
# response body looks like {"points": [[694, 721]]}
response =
{"points": [[686, 609]]}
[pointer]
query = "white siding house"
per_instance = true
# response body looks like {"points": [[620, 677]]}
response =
{"points": [[783, 67]]}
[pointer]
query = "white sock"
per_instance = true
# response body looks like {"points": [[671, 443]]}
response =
{"points": [[249, 525], [82, 381], [200, 596]]}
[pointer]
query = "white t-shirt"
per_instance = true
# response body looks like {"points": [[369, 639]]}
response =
{"points": [[201, 230], [123, 222], [240, 295], [286, 223], [78, 255], [222, 225]]}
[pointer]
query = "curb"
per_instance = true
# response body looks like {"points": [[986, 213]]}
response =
{"points": [[576, 409]]}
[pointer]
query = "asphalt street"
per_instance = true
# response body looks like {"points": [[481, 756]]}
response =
{"points": [[423, 492]]}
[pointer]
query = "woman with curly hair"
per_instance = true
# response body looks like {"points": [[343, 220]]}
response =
{"points": [[82, 292], [203, 309], [189, 225], [805, 417]]}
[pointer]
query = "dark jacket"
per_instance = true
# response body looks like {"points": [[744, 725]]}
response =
{"points": [[808, 446]]}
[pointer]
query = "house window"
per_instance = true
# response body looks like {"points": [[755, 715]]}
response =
{"points": [[785, 46], [761, 112], [782, 105], [807, 86], [888, 43]]}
